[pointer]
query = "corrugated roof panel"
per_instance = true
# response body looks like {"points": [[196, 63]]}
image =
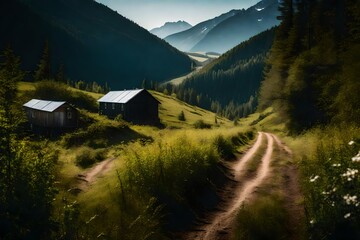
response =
{"points": [[31, 103], [52, 106], [42, 105], [120, 96]]}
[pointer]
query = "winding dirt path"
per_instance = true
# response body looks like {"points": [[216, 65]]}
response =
{"points": [[222, 221], [90, 175]]}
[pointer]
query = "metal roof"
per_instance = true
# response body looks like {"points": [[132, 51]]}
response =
{"points": [[42, 105], [120, 96]]}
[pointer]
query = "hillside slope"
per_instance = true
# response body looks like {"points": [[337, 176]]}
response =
{"points": [[239, 27], [93, 42], [186, 40], [229, 84], [170, 28]]}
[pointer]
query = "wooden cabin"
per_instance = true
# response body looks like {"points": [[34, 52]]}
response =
{"points": [[136, 106], [51, 114]]}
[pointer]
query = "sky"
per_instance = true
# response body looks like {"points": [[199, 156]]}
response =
{"points": [[154, 13]]}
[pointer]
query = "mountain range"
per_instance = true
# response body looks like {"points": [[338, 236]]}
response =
{"points": [[170, 28], [186, 40], [93, 42], [228, 30]]}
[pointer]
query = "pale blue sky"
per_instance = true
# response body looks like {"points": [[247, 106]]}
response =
{"points": [[154, 13]]}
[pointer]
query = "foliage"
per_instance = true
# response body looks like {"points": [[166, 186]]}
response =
{"points": [[181, 116], [43, 71], [331, 183], [200, 124], [225, 147], [99, 134], [312, 69], [26, 169], [51, 90], [88, 156], [237, 72], [263, 218]]}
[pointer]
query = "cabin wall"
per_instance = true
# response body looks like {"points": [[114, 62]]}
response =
{"points": [[63, 117], [143, 108]]}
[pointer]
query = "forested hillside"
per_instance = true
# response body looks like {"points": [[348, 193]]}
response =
{"points": [[314, 64], [240, 27], [229, 85], [312, 84], [90, 41]]}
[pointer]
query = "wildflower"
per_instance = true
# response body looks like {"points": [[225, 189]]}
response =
{"points": [[351, 200], [312, 221], [350, 174], [334, 189], [313, 179], [351, 143], [356, 158], [333, 204], [347, 215], [336, 165]]}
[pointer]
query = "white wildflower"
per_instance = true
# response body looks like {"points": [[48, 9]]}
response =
{"points": [[312, 221], [333, 204], [351, 143], [313, 179], [334, 189], [347, 215], [336, 165], [350, 174], [350, 200], [356, 158]]}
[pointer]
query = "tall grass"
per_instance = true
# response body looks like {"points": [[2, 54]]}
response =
{"points": [[331, 184], [262, 219]]}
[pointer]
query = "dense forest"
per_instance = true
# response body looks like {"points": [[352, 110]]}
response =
{"points": [[229, 85], [89, 41], [312, 75]]}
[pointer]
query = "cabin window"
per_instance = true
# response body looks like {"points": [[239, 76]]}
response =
{"points": [[105, 105], [122, 107], [69, 115], [33, 114], [113, 106]]}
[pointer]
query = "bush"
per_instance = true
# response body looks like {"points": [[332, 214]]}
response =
{"points": [[200, 124], [224, 147], [55, 91], [181, 116], [331, 185], [88, 156]]}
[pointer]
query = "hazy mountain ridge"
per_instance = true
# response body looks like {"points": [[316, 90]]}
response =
{"points": [[185, 40], [92, 41], [240, 27], [228, 30], [170, 28]]}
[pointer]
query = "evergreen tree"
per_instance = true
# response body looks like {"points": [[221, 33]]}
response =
{"points": [[44, 67]]}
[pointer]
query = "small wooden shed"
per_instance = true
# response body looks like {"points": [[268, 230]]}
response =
{"points": [[51, 114], [136, 106]]}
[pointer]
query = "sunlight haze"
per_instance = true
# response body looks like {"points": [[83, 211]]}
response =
{"points": [[154, 13]]}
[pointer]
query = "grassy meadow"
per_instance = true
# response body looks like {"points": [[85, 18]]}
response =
{"points": [[158, 177]]}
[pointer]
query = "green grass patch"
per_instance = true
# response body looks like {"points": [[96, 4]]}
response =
{"points": [[262, 219]]}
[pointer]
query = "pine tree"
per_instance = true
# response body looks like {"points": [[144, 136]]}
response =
{"points": [[44, 67]]}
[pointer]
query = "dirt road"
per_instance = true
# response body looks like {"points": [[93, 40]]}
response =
{"points": [[88, 177], [219, 223]]}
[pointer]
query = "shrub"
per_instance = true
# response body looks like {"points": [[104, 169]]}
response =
{"points": [[88, 156], [200, 124], [51, 90], [181, 116], [224, 147]]}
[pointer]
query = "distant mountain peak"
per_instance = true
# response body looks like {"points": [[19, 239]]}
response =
{"points": [[170, 28]]}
